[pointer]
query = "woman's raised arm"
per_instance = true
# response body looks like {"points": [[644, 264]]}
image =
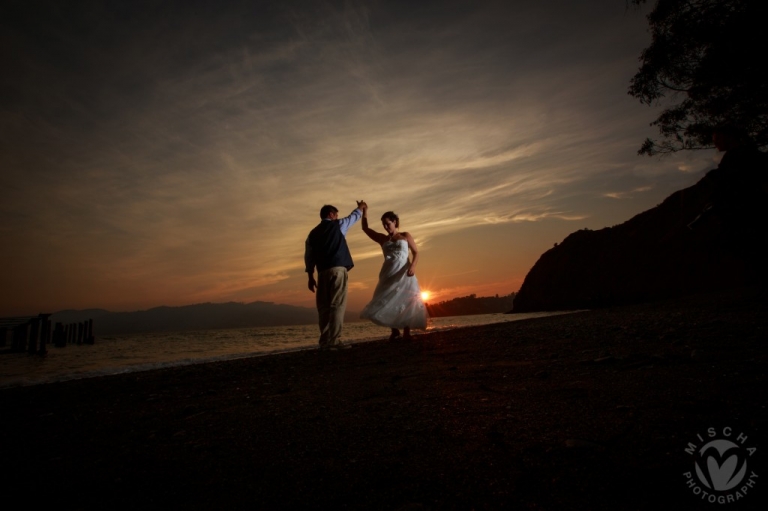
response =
{"points": [[375, 236]]}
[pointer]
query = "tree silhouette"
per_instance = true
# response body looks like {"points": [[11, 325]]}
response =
{"points": [[706, 65]]}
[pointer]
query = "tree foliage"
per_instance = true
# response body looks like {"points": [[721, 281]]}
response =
{"points": [[707, 64]]}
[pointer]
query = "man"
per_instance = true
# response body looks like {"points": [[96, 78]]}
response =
{"points": [[326, 248]]}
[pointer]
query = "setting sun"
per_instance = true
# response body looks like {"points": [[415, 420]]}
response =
{"points": [[425, 295]]}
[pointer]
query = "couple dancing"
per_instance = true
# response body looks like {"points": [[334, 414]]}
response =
{"points": [[396, 301]]}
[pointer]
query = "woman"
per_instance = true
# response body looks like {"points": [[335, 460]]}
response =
{"points": [[396, 302]]}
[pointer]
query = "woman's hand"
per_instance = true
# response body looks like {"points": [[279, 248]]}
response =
{"points": [[414, 251]]}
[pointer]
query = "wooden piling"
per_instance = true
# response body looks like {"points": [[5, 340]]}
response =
{"points": [[19, 342], [45, 333], [89, 339], [59, 336], [34, 334], [3, 335]]}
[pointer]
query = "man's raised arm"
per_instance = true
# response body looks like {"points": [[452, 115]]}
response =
{"points": [[348, 221]]}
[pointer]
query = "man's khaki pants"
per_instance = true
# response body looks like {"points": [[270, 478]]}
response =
{"points": [[331, 297]]}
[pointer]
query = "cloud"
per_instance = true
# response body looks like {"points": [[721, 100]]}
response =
{"points": [[629, 194]]}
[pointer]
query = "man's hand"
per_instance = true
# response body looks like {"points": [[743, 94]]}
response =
{"points": [[312, 284], [362, 205]]}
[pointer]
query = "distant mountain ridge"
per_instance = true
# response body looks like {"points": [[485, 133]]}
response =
{"points": [[472, 304], [201, 316]]}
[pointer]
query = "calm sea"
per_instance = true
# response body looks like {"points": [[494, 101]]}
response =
{"points": [[142, 352]]}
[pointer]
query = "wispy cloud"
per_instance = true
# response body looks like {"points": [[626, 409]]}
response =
{"points": [[627, 195]]}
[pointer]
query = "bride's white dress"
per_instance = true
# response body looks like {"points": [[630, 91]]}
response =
{"points": [[396, 302]]}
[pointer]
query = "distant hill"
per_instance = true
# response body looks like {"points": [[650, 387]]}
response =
{"points": [[193, 317], [654, 255], [471, 304]]}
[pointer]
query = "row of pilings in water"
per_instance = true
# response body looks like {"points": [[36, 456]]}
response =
{"points": [[34, 334]]}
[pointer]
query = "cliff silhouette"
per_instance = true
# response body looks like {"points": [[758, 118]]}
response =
{"points": [[653, 255]]}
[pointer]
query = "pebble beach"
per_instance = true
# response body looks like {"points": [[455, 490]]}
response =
{"points": [[590, 410]]}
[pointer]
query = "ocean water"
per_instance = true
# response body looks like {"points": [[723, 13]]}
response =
{"points": [[142, 352]]}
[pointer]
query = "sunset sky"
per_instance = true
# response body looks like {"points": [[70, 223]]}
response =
{"points": [[170, 153]]}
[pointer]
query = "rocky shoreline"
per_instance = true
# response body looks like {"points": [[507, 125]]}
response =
{"points": [[591, 410]]}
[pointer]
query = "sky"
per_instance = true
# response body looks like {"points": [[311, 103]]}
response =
{"points": [[178, 152]]}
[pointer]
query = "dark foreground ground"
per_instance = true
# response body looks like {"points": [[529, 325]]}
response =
{"points": [[592, 410]]}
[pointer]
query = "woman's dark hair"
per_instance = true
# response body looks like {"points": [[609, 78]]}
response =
{"points": [[391, 216]]}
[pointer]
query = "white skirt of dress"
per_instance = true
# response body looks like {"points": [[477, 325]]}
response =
{"points": [[396, 301]]}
